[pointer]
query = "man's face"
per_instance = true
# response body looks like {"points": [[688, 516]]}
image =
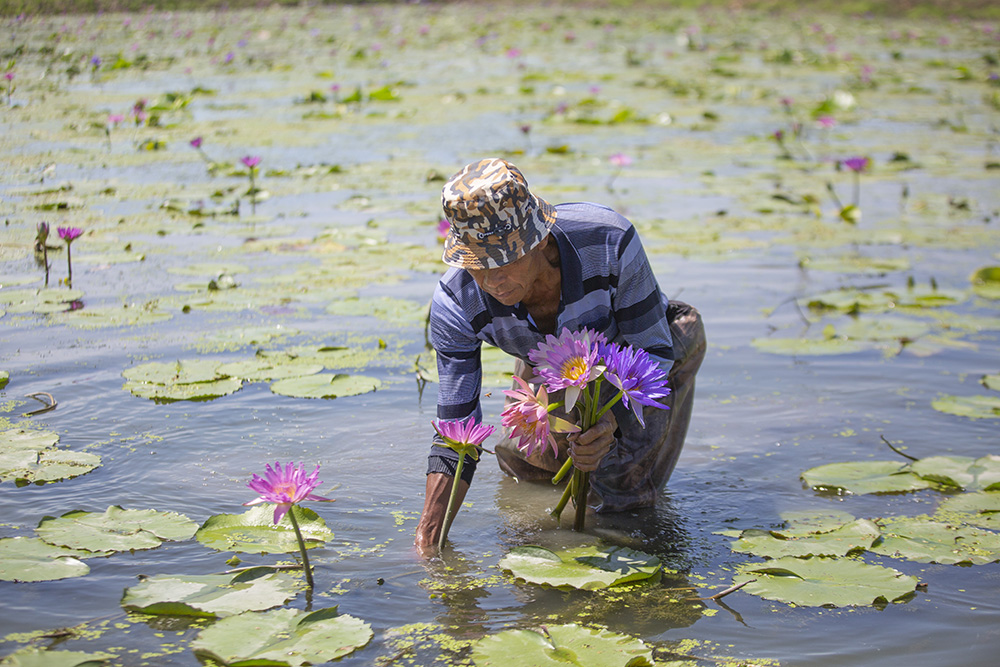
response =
{"points": [[514, 282]]}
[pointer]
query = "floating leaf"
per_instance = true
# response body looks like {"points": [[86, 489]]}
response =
{"points": [[885, 328], [569, 644], [979, 509], [849, 300], [402, 311], [973, 407], [100, 317], [183, 380], [815, 582], [808, 346], [861, 477], [281, 637], [989, 381], [586, 568], [254, 531], [932, 542], [116, 529], [270, 368], [210, 595], [31, 559], [33, 657], [986, 282], [326, 385], [964, 472], [28, 457], [856, 535], [4, 375]]}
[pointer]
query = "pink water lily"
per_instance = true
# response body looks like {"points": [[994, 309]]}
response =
{"points": [[529, 420], [465, 437], [250, 161], [568, 362], [284, 487], [856, 164], [196, 142], [69, 234]]}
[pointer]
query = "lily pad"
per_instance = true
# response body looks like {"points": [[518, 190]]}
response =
{"points": [[31, 559], [849, 300], [183, 380], [254, 531], [973, 407], [816, 582], [885, 328], [981, 508], [861, 477], [33, 657], [101, 317], [281, 637], [29, 457], [270, 368], [586, 568], [857, 535], [4, 375], [986, 282], [964, 472], [989, 381], [555, 645], [932, 542], [400, 311], [808, 346], [326, 385], [116, 529], [210, 595]]}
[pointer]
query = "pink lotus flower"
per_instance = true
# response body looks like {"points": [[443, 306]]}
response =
{"points": [[197, 142], [70, 234], [443, 228], [620, 160], [856, 164], [568, 362], [463, 436], [250, 161], [284, 487], [826, 122], [529, 420], [9, 76]]}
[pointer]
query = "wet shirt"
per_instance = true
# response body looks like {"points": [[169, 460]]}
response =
{"points": [[607, 286]]}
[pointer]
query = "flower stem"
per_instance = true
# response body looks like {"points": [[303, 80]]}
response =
{"points": [[582, 490], [302, 547], [69, 266], [45, 259], [451, 500], [600, 413], [566, 467], [561, 505]]}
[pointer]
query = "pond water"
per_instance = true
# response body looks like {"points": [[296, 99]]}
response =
{"points": [[693, 99]]}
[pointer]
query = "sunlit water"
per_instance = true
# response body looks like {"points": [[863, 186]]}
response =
{"points": [[759, 419]]}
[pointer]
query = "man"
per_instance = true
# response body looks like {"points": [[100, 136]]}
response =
{"points": [[523, 269]]}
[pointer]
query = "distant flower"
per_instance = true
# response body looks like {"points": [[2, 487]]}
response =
{"points": [[525, 129], [569, 37], [568, 362], [443, 227], [242, 43], [786, 102], [284, 487], [196, 142], [637, 376], [95, 62], [620, 160], [250, 161], [41, 238], [826, 122], [229, 58], [856, 164], [69, 234], [9, 76], [513, 53]]}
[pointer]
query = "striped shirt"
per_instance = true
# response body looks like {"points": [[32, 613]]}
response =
{"points": [[607, 286]]}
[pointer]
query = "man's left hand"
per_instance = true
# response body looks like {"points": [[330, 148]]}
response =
{"points": [[590, 446]]}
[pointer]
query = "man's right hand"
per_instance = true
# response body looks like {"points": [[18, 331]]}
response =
{"points": [[432, 519]]}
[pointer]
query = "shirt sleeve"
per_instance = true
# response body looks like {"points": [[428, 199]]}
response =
{"points": [[460, 377]]}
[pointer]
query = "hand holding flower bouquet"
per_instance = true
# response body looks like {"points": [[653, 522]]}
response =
{"points": [[578, 363]]}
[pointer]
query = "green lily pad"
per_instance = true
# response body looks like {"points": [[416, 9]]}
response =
{"points": [[817, 582], [885, 328], [857, 535], [932, 542], [115, 529], [861, 477], [33, 657], [101, 317], [555, 645], [251, 336], [210, 595], [964, 472], [401, 311], [986, 282], [326, 385], [254, 531], [856, 264], [183, 380], [31, 559], [29, 457], [41, 301], [270, 368], [808, 346], [4, 375], [973, 407], [281, 637], [586, 568], [989, 381], [981, 508], [850, 300], [929, 297]]}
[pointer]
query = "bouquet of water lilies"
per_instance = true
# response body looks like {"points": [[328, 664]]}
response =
{"points": [[578, 363]]}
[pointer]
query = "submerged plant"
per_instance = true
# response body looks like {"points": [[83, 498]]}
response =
{"points": [[69, 234], [41, 243], [286, 487], [466, 438], [251, 162]]}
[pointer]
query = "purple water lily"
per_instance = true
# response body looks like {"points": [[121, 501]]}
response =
{"points": [[568, 362], [638, 377]]}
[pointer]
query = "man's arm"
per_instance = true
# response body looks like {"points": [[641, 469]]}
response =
{"points": [[432, 518]]}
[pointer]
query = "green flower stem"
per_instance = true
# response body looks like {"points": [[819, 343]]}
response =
{"points": [[69, 266], [451, 499], [566, 467], [561, 505], [302, 547], [582, 490], [607, 407]]}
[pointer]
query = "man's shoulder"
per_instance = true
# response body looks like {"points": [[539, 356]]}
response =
{"points": [[574, 217]]}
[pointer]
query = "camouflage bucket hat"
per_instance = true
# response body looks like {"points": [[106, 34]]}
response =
{"points": [[494, 218]]}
